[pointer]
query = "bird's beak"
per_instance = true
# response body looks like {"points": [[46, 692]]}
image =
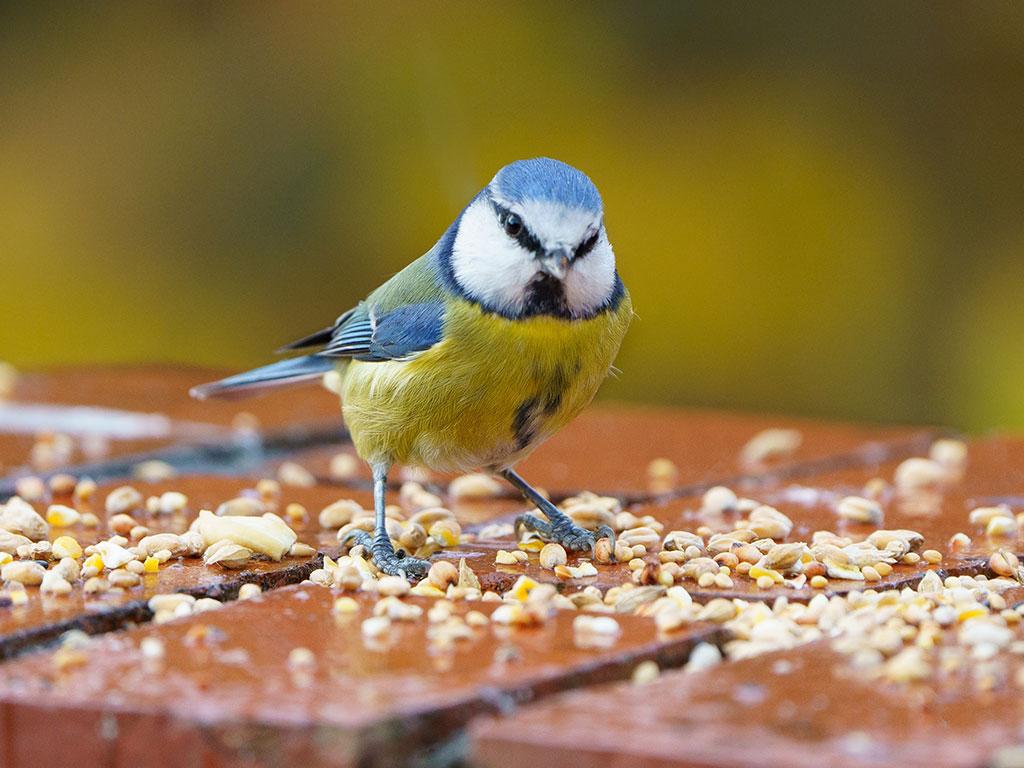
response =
{"points": [[555, 262]]}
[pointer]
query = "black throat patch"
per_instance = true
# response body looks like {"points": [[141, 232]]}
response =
{"points": [[545, 295]]}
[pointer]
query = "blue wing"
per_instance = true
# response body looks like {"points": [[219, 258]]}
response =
{"points": [[392, 335]]}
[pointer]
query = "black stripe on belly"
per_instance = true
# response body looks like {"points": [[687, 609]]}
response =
{"points": [[523, 427], [532, 411]]}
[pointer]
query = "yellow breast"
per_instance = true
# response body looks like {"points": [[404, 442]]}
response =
{"points": [[486, 395]]}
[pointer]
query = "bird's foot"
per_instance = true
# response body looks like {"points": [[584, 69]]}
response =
{"points": [[562, 530], [386, 558]]}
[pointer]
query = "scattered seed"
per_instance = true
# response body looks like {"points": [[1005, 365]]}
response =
{"points": [[1005, 563], [66, 546], [723, 581], [24, 572], [123, 578], [249, 591], [242, 506], [442, 573], [343, 466], [718, 611], [768, 522], [916, 473], [376, 627], [704, 656], [770, 444], [394, 586], [301, 550], [54, 583], [290, 473], [949, 453], [153, 471], [959, 541], [19, 517], [121, 523], [552, 555], [718, 499], [30, 488], [346, 605], [446, 532], [884, 569], [62, 485], [603, 551], [857, 509], [474, 486], [596, 625], [1002, 526], [340, 513], [662, 471], [505, 558], [84, 490], [61, 516], [123, 500], [152, 649], [932, 556], [227, 554]]}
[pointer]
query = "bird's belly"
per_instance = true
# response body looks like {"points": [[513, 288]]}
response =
{"points": [[478, 399]]}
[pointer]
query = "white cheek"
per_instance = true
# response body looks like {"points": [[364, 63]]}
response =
{"points": [[490, 266], [591, 279]]}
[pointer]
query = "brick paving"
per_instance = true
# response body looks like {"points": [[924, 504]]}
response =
{"points": [[233, 697]]}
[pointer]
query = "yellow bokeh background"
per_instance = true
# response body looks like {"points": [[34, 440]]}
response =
{"points": [[818, 208]]}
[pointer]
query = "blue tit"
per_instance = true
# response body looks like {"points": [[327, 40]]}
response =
{"points": [[481, 349]]}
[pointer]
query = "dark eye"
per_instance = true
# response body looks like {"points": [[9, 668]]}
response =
{"points": [[513, 225], [586, 246]]}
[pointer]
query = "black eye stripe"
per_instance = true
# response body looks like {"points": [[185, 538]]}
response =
{"points": [[586, 246], [525, 238]]}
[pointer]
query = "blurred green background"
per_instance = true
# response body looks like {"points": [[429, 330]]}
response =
{"points": [[817, 207]]}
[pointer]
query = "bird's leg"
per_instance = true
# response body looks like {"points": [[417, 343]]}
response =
{"points": [[384, 555], [560, 527]]}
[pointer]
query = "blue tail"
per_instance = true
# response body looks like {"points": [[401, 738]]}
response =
{"points": [[280, 374]]}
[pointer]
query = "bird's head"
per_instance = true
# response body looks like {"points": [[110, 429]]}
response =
{"points": [[533, 242]]}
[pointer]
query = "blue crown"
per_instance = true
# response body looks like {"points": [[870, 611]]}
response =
{"points": [[545, 179]]}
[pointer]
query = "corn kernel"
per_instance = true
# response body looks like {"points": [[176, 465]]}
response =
{"points": [[446, 532], [757, 571], [66, 546], [522, 588], [971, 613], [60, 516], [426, 589], [150, 565], [531, 545]]}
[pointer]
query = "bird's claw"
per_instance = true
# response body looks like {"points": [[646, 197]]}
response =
{"points": [[565, 532], [408, 567], [386, 558]]}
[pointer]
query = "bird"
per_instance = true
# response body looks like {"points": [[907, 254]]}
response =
{"points": [[478, 351]]}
